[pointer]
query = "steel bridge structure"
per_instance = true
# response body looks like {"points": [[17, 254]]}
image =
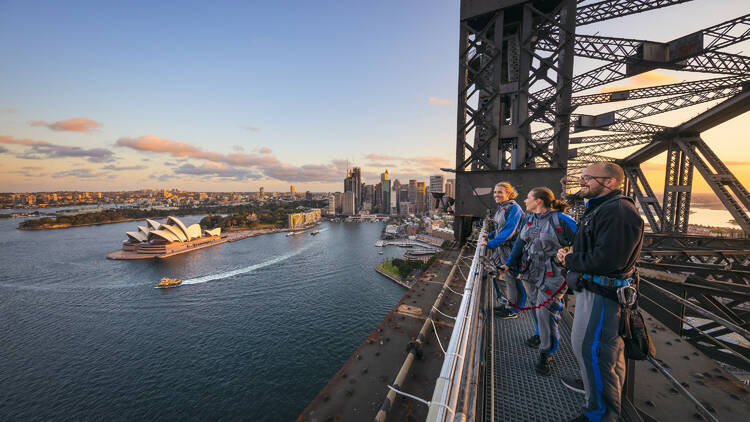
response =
{"points": [[521, 118]]}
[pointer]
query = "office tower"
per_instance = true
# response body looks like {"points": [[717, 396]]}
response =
{"points": [[357, 182], [413, 191], [262, 192], [348, 203], [308, 196], [291, 189], [419, 202], [339, 198], [331, 205], [450, 187], [436, 183]]}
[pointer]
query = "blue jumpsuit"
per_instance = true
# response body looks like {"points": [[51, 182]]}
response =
{"points": [[507, 220], [533, 258]]}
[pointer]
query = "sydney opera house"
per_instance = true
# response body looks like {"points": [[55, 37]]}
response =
{"points": [[161, 240]]}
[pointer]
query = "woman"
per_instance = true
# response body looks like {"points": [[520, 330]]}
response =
{"points": [[507, 219], [546, 230]]}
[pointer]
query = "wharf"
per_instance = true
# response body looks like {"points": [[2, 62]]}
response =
{"points": [[357, 390], [396, 280]]}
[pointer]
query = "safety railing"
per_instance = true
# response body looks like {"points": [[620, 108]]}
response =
{"points": [[455, 389]]}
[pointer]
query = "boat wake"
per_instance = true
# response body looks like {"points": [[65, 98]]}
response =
{"points": [[244, 270]]}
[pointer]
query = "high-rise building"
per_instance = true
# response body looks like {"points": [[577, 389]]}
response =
{"points": [[436, 183], [419, 202], [348, 204], [339, 197], [291, 189], [450, 187], [378, 201], [413, 191], [331, 209], [308, 196], [262, 192], [385, 207]]}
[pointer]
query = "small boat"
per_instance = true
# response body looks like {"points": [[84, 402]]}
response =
{"points": [[293, 233], [166, 283], [314, 232]]}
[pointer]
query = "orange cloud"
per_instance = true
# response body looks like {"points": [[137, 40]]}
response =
{"points": [[252, 129], [265, 150], [650, 78], [76, 124], [439, 101], [381, 157], [10, 110], [152, 143]]}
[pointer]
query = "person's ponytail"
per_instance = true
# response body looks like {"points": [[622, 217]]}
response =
{"points": [[559, 205]]}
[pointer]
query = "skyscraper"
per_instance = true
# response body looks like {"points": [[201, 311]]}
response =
{"points": [[261, 192], [291, 189], [348, 203], [386, 195], [450, 187], [419, 203], [413, 191], [436, 183]]}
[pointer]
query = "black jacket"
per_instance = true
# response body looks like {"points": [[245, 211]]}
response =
{"points": [[609, 243]]}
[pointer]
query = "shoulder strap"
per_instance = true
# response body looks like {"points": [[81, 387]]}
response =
{"points": [[558, 229]]}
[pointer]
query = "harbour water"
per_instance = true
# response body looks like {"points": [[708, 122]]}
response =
{"points": [[254, 333]]}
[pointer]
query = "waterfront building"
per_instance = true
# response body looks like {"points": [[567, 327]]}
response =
{"points": [[304, 219], [331, 205], [347, 206], [155, 238], [436, 183], [339, 202]]}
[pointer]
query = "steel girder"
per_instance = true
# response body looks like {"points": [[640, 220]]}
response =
{"points": [[678, 185], [639, 188], [610, 9]]}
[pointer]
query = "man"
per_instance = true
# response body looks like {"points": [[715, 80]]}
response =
{"points": [[601, 260]]}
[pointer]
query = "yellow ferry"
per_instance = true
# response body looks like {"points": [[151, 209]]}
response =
{"points": [[166, 283]]}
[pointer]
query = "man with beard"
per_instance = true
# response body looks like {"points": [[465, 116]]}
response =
{"points": [[601, 260]]}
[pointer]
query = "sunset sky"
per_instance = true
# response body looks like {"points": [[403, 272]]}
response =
{"points": [[231, 96]]}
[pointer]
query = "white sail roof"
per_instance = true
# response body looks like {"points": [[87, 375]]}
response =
{"points": [[137, 236], [213, 232], [194, 231], [164, 234], [179, 224], [154, 225], [175, 231]]}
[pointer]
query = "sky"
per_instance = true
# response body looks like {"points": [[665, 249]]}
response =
{"points": [[232, 96]]}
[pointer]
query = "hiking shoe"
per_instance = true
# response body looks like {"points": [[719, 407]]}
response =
{"points": [[573, 384], [533, 341], [505, 313], [544, 366], [580, 418]]}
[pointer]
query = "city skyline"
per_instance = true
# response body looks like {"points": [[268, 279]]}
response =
{"points": [[203, 98]]}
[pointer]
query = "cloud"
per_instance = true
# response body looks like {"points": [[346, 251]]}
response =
{"points": [[238, 148], [41, 149], [31, 168], [80, 173], [152, 143], [3, 150], [125, 168], [10, 110], [650, 78], [217, 170], [252, 129], [265, 150], [163, 177], [382, 157], [439, 101], [76, 124]]}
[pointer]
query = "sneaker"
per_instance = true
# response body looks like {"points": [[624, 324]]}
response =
{"points": [[580, 418], [573, 384], [533, 341], [504, 313], [544, 366]]}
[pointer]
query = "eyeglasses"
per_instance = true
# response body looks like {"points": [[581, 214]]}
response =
{"points": [[585, 178]]}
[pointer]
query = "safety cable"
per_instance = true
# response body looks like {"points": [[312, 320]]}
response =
{"points": [[434, 329], [428, 403], [710, 337], [460, 294], [447, 316]]}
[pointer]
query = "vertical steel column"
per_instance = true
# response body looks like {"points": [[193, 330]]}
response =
{"points": [[648, 202], [678, 182]]}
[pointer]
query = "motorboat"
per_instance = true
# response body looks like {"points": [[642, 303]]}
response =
{"points": [[166, 283]]}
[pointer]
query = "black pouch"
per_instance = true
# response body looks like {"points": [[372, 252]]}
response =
{"points": [[633, 330]]}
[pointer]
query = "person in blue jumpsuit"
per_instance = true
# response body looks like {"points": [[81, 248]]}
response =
{"points": [[601, 260], [507, 220], [534, 258]]}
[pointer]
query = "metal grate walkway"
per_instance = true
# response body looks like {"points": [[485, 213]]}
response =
{"points": [[520, 393]]}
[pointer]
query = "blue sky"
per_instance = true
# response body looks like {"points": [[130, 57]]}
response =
{"points": [[290, 90]]}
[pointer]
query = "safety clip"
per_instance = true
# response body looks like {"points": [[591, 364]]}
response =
{"points": [[626, 295]]}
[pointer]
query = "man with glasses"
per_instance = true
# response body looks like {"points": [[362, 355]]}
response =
{"points": [[601, 260]]}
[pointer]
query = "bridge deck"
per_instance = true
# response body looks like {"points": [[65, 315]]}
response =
{"points": [[520, 393]]}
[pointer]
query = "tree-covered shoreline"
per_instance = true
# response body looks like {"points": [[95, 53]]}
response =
{"points": [[274, 213]]}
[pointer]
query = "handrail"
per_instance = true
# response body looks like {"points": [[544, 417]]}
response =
{"points": [[449, 383]]}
